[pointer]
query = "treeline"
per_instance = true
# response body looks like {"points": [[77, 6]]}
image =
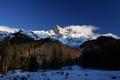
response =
{"points": [[33, 55]]}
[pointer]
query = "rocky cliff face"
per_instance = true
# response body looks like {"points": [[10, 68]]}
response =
{"points": [[34, 55]]}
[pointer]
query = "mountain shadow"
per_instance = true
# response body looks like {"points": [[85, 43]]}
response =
{"points": [[102, 53]]}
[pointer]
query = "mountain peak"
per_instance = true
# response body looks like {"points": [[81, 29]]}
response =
{"points": [[58, 30]]}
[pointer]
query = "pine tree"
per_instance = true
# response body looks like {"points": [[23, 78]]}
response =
{"points": [[33, 65]]}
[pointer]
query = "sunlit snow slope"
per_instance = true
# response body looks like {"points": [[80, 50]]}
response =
{"points": [[73, 35]]}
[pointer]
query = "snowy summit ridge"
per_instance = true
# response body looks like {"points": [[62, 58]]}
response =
{"points": [[73, 35]]}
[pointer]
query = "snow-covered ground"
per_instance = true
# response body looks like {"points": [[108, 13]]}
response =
{"points": [[64, 74]]}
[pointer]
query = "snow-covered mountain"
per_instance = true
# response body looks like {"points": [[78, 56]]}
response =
{"points": [[69, 35]]}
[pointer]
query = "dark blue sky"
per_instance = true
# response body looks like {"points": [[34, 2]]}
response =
{"points": [[44, 14]]}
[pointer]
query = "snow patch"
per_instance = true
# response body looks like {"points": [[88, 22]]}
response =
{"points": [[112, 35]]}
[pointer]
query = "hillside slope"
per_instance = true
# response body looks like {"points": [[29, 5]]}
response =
{"points": [[34, 55], [103, 52]]}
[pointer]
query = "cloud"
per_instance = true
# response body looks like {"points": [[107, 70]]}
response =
{"points": [[84, 29], [8, 29]]}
